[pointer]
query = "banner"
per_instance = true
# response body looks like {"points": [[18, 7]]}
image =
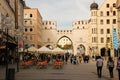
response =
{"points": [[115, 39]]}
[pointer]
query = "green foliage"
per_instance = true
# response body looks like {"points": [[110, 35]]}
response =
{"points": [[65, 47]]}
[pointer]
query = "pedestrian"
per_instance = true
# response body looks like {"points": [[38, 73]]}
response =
{"points": [[99, 65], [118, 67], [80, 59], [110, 66]]}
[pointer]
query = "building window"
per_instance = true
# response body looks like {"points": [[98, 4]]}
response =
{"points": [[32, 45], [102, 31], [91, 13], [101, 13], [25, 15], [107, 5], [102, 40], [78, 27], [108, 31], [114, 13], [50, 27], [108, 13], [83, 27], [92, 40], [108, 21], [82, 22], [31, 15], [92, 30], [25, 29], [25, 22], [45, 27], [50, 22], [26, 46], [114, 21], [31, 29], [31, 22], [26, 37], [108, 39], [101, 21], [31, 37], [78, 22], [53, 23], [95, 39], [114, 5]]}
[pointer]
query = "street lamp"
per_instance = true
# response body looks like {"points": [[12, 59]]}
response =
{"points": [[17, 53]]}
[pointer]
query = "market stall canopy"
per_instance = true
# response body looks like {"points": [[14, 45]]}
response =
{"points": [[32, 49], [58, 51], [44, 50]]}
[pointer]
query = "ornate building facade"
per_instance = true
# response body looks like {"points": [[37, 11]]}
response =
{"points": [[92, 34]]}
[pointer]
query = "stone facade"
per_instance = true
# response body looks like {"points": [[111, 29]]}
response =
{"points": [[91, 34]]}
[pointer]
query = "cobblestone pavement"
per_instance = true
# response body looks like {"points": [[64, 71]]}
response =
{"points": [[83, 71]]}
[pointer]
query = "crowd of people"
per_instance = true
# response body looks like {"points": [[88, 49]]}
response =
{"points": [[74, 59]]}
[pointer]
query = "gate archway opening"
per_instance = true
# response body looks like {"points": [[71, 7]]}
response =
{"points": [[81, 50], [65, 43], [104, 53]]}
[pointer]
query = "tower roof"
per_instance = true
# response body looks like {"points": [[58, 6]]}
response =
{"points": [[94, 6]]}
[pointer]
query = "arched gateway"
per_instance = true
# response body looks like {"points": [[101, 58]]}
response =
{"points": [[76, 38]]}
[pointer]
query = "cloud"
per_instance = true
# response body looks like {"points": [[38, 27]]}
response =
{"points": [[64, 12]]}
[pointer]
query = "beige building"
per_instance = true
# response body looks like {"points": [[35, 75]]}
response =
{"points": [[90, 35], [32, 27], [118, 16]]}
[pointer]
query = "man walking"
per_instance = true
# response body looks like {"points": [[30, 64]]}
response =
{"points": [[99, 65]]}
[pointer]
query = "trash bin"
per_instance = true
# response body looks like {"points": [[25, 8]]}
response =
{"points": [[11, 74]]}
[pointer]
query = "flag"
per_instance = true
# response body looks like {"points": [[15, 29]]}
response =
{"points": [[111, 42], [115, 39], [106, 44]]}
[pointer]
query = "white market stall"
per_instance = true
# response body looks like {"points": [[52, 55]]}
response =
{"points": [[44, 50], [58, 51]]}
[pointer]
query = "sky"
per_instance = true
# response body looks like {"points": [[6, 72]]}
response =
{"points": [[64, 12]]}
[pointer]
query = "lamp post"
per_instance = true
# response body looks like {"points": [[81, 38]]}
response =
{"points": [[6, 55], [17, 53], [16, 27], [17, 56]]}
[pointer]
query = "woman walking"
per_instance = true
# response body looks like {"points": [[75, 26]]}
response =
{"points": [[110, 66]]}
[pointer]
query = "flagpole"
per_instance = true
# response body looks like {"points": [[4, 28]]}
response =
{"points": [[106, 49]]}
